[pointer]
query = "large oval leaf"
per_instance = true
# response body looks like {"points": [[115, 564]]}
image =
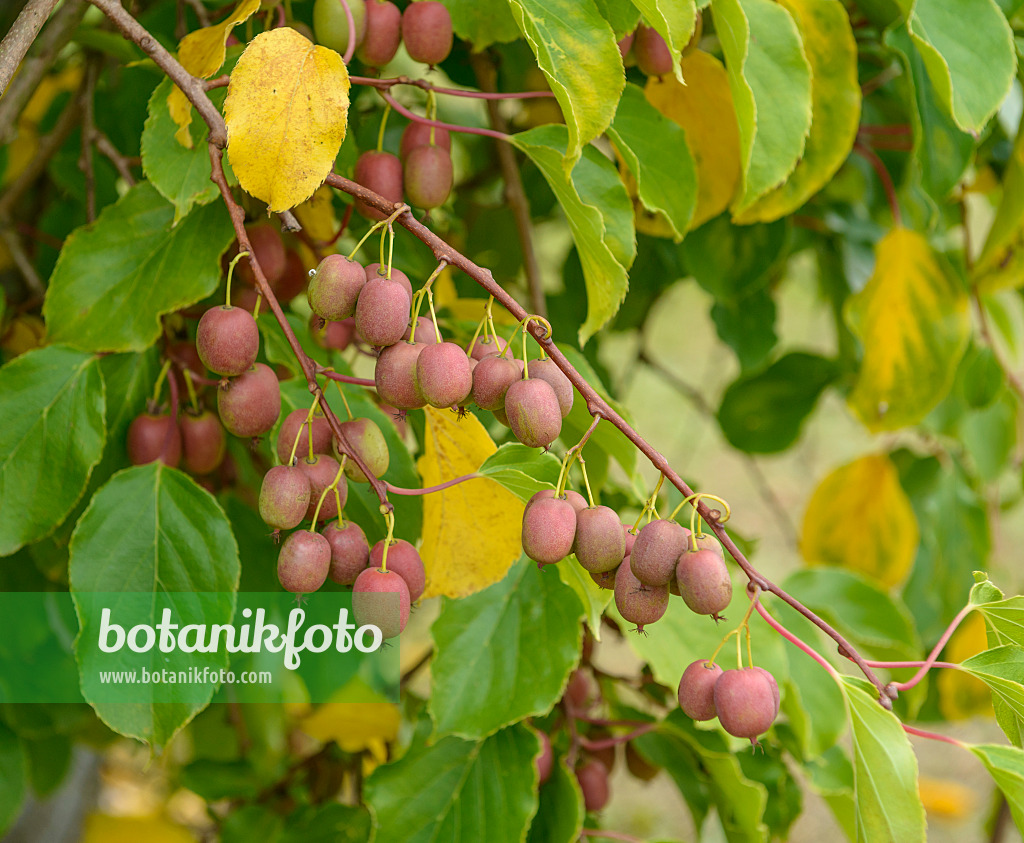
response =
{"points": [[116, 278], [486, 672], [835, 104], [151, 530], [457, 791], [287, 114], [771, 87], [913, 322], [575, 47], [52, 403], [859, 518]]}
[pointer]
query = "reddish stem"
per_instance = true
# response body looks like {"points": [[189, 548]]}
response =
{"points": [[606, 743], [398, 490], [905, 665], [883, 176], [335, 376], [350, 21], [792, 639], [932, 736], [388, 84], [451, 127], [930, 661]]}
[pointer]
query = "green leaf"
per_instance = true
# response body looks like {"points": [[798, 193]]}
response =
{"points": [[1004, 619], [831, 776], [874, 622], [593, 598], [989, 435], [487, 671], [482, 24], [181, 175], [941, 150], [13, 776], [576, 49], [621, 14], [151, 529], [740, 801], [835, 96], [884, 771], [763, 413], [1006, 766], [1001, 260], [116, 278], [953, 51], [682, 762], [674, 21], [734, 261], [560, 811], [600, 217], [52, 403], [747, 326], [523, 471], [770, 80], [450, 790], [655, 150], [48, 762], [1002, 670]]}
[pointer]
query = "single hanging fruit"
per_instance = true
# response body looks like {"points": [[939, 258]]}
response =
{"points": [[335, 286], [427, 31], [350, 552], [227, 340], [697, 690], [154, 437], [533, 412], [381, 598], [303, 562], [405, 561], [202, 441], [250, 404], [284, 497]]}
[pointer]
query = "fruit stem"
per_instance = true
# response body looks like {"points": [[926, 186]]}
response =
{"points": [[432, 115], [351, 23], [649, 505], [586, 480], [193, 399], [718, 649], [298, 435], [337, 494], [526, 358], [158, 388], [383, 125], [365, 237], [482, 326], [796, 642], [696, 497], [231, 272], [344, 401], [433, 316], [256, 307], [389, 518], [323, 495]]}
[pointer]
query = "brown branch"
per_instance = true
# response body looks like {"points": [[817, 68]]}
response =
{"points": [[514, 193], [85, 160], [53, 39], [190, 86], [21, 260], [16, 42], [111, 152], [597, 405]]}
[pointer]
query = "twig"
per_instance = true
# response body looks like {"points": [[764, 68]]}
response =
{"points": [[85, 162], [335, 376], [514, 193], [53, 39], [398, 490], [21, 260], [16, 42], [451, 127], [764, 489], [932, 736], [883, 176], [423, 84], [106, 146], [930, 661], [202, 15]]}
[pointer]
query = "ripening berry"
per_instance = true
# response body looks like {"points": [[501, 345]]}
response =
{"points": [[154, 437], [335, 286], [428, 176], [290, 427], [653, 56], [418, 134], [549, 527], [376, 270], [600, 543], [321, 471], [444, 374], [331, 25], [546, 370], [491, 379], [227, 340], [284, 497], [593, 779], [381, 598], [704, 583], [745, 701], [656, 551], [481, 348], [383, 33], [250, 404], [395, 376], [638, 603], [267, 248], [202, 441], [380, 172], [697, 690], [382, 313], [533, 412], [404, 560], [427, 31], [545, 760], [303, 562], [350, 552], [368, 441]]}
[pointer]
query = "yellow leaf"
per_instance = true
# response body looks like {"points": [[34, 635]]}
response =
{"points": [[912, 321], [24, 333], [961, 695], [367, 725], [102, 828], [317, 215], [286, 112], [835, 107], [859, 518], [201, 53], [471, 531], [704, 109]]}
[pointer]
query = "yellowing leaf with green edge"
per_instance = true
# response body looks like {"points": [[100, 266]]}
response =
{"points": [[286, 113], [835, 107], [202, 53], [575, 47], [771, 87], [960, 694], [912, 321], [471, 531], [317, 215], [703, 107], [859, 518], [1001, 262], [102, 828]]}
